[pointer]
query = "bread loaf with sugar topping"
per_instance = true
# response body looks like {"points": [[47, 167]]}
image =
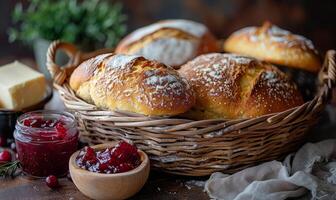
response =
{"points": [[172, 42], [232, 86], [132, 83], [275, 45]]}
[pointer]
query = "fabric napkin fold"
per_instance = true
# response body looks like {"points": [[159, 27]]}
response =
{"points": [[308, 174]]}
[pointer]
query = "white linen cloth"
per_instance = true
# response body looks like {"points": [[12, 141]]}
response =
{"points": [[308, 174]]}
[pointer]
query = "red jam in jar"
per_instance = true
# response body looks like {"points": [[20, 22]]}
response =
{"points": [[121, 158], [45, 140]]}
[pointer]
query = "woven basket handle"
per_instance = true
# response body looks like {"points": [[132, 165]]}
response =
{"points": [[327, 75], [60, 73]]}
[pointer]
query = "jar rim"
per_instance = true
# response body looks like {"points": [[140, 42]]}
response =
{"points": [[70, 121]]}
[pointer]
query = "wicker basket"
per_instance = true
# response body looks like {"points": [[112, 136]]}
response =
{"points": [[195, 148]]}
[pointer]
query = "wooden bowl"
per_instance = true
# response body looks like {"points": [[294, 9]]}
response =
{"points": [[109, 186]]}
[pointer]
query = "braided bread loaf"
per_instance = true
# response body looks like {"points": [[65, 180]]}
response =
{"points": [[132, 83], [172, 42], [232, 86]]}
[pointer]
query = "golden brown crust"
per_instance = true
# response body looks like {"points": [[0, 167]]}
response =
{"points": [[86, 70], [232, 86], [132, 83], [172, 42], [275, 45]]}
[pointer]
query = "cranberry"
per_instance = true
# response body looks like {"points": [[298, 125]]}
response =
{"points": [[89, 155], [52, 181], [103, 166], [33, 122], [27, 122], [126, 152], [124, 157], [5, 156], [61, 130], [124, 167]]}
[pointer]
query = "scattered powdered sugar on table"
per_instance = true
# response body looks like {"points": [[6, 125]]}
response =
{"points": [[195, 183]]}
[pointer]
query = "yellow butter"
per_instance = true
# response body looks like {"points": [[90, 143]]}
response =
{"points": [[20, 86]]}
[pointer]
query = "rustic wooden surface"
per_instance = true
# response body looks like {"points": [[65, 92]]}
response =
{"points": [[159, 186]]}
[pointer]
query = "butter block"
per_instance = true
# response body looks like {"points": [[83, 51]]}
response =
{"points": [[20, 86]]}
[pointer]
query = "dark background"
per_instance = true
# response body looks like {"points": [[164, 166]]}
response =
{"points": [[314, 19]]}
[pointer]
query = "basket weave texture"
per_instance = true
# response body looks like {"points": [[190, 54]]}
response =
{"points": [[188, 147]]}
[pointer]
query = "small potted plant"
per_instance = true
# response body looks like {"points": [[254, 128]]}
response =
{"points": [[90, 24]]}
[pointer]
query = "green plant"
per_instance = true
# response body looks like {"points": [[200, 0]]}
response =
{"points": [[88, 23], [9, 169]]}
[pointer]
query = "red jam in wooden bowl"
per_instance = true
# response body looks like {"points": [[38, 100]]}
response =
{"points": [[45, 140], [121, 158]]}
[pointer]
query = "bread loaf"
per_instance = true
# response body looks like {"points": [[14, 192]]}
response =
{"points": [[132, 83], [232, 86], [273, 44], [172, 42]]}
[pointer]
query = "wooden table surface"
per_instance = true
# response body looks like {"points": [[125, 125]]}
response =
{"points": [[159, 186]]}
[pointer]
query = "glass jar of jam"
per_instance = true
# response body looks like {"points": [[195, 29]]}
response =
{"points": [[45, 140]]}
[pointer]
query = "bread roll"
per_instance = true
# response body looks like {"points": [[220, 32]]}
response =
{"points": [[172, 42], [132, 83], [232, 86], [275, 45]]}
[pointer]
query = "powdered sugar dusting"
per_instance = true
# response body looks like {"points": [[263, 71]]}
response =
{"points": [[170, 51], [163, 86], [193, 28], [132, 83], [119, 61], [116, 67], [276, 35], [95, 61], [280, 35], [238, 80], [279, 88], [214, 72]]}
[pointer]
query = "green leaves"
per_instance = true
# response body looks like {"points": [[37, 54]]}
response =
{"points": [[9, 169], [89, 23]]}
